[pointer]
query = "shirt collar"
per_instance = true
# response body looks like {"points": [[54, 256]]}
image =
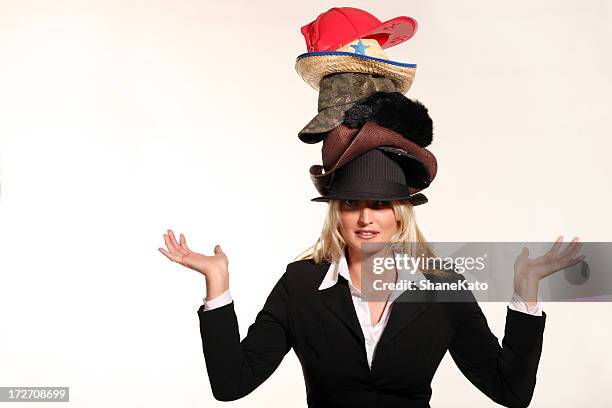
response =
{"points": [[337, 268]]}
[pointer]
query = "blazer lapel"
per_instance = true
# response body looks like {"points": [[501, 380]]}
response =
{"points": [[338, 300], [402, 313], [406, 308]]}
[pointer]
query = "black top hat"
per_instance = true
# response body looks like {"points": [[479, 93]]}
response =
{"points": [[374, 175]]}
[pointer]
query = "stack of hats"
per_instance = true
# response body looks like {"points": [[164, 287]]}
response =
{"points": [[374, 138]]}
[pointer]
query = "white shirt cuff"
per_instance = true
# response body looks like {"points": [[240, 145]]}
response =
{"points": [[221, 300], [517, 303]]}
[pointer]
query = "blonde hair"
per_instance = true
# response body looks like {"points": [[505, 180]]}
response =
{"points": [[407, 237]]}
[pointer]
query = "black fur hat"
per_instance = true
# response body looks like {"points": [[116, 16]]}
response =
{"points": [[393, 111]]}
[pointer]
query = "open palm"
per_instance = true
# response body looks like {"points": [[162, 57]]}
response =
{"points": [[180, 253], [549, 263]]}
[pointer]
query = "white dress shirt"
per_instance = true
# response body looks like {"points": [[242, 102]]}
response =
{"points": [[371, 333]]}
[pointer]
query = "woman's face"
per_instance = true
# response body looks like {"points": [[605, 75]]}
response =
{"points": [[366, 221]]}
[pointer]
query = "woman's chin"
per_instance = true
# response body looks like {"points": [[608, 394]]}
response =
{"points": [[369, 246]]}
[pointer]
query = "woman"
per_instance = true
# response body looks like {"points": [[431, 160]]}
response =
{"points": [[366, 354]]}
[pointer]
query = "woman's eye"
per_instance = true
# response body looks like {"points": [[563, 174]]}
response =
{"points": [[350, 203]]}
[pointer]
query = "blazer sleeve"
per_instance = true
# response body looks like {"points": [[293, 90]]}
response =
{"points": [[235, 368], [506, 374]]}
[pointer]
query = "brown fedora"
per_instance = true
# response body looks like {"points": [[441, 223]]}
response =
{"points": [[343, 144]]}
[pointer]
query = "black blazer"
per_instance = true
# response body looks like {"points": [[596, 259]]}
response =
{"points": [[322, 328]]}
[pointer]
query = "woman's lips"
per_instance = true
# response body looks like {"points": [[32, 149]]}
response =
{"points": [[365, 234]]}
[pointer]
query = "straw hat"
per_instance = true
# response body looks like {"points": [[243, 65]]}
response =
{"points": [[346, 39]]}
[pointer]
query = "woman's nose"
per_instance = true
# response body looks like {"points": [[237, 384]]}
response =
{"points": [[365, 215]]}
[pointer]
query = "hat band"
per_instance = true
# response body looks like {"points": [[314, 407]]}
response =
{"points": [[350, 54], [355, 186]]}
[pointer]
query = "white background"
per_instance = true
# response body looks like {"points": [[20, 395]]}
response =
{"points": [[120, 119]]}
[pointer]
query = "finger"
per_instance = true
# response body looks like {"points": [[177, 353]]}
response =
{"points": [[524, 253], [556, 246], [168, 254], [575, 250], [171, 234], [550, 255], [219, 251], [565, 264], [175, 245], [577, 247], [169, 243], [567, 252], [559, 265], [168, 240], [184, 243], [575, 261]]}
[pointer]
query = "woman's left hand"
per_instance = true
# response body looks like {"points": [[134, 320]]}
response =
{"points": [[528, 272]]}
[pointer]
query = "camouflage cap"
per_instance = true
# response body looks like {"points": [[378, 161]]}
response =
{"points": [[337, 93]]}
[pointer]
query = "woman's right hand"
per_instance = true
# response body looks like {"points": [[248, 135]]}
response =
{"points": [[213, 267]]}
